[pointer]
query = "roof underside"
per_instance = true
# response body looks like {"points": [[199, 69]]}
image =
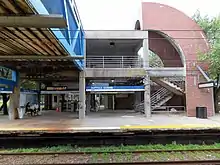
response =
{"points": [[29, 41]]}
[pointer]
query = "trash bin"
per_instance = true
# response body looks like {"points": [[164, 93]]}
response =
{"points": [[201, 112]]}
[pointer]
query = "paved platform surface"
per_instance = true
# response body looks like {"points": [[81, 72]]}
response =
{"points": [[109, 121]]}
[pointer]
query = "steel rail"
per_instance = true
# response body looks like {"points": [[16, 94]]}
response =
{"points": [[106, 152], [197, 162]]}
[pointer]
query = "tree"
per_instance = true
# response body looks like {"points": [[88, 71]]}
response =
{"points": [[154, 60], [211, 27], [27, 84]]}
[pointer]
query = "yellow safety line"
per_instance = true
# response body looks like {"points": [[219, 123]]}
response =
{"points": [[188, 126], [147, 127]]}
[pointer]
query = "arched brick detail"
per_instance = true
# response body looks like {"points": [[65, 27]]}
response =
{"points": [[190, 37], [164, 49]]}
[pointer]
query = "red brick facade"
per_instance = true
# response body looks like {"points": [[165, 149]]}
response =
{"points": [[190, 38]]}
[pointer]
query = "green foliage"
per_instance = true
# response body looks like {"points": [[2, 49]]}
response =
{"points": [[211, 27], [154, 60], [69, 148], [27, 84]]}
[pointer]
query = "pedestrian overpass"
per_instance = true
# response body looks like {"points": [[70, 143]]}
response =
{"points": [[40, 40]]}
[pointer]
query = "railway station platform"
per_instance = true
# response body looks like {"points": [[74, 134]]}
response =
{"points": [[117, 121]]}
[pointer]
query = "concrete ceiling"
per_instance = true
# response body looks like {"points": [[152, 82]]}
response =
{"points": [[96, 47]]}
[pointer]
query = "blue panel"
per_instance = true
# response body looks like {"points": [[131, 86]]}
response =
{"points": [[7, 82], [30, 91], [57, 6], [14, 76], [115, 87], [6, 89], [72, 23]]}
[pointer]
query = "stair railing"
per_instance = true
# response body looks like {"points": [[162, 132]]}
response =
{"points": [[156, 97], [178, 81]]}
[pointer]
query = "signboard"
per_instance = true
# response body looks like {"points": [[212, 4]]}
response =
{"points": [[209, 84], [114, 88], [58, 88], [5, 90], [100, 84]]}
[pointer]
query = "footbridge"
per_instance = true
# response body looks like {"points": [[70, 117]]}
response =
{"points": [[40, 40]]}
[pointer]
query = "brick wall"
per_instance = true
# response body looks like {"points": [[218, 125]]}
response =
{"points": [[189, 36]]}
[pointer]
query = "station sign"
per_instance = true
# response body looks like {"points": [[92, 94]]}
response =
{"points": [[56, 88], [114, 88], [209, 84], [5, 90]]}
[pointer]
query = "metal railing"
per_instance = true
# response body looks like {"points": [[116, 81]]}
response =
{"points": [[156, 97], [159, 95], [113, 62], [178, 81]]}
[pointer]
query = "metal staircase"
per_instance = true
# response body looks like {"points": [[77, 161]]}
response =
{"points": [[158, 98], [170, 86]]}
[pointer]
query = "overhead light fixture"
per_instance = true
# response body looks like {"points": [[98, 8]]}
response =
{"points": [[112, 43]]}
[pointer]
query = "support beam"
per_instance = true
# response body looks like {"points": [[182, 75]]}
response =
{"points": [[39, 57], [33, 21], [82, 95], [115, 34]]}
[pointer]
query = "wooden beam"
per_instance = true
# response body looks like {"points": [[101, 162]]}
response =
{"points": [[39, 57], [34, 21]]}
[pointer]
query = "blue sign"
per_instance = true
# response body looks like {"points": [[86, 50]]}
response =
{"points": [[115, 88], [5, 90], [100, 84]]}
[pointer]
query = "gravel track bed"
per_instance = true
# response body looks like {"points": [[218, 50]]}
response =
{"points": [[106, 158]]}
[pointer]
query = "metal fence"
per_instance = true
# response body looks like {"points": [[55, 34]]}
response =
{"points": [[113, 62]]}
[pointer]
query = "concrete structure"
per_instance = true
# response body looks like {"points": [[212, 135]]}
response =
{"points": [[113, 55], [105, 66]]}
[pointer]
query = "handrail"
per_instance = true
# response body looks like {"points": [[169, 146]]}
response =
{"points": [[115, 61]]}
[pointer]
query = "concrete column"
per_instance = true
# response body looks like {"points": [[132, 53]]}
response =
{"points": [[146, 51], [39, 95], [147, 103], [82, 95], [14, 102], [113, 102], [88, 102], [106, 102]]}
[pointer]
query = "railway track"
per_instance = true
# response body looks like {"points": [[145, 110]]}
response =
{"points": [[85, 139], [143, 157]]}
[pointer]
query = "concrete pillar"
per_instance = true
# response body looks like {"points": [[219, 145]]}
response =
{"points": [[113, 102], [39, 95], [82, 95], [88, 102], [146, 51], [106, 101], [14, 102], [147, 103]]}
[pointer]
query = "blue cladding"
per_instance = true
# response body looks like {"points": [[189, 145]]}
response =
{"points": [[72, 24], [72, 38], [54, 6], [57, 7]]}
